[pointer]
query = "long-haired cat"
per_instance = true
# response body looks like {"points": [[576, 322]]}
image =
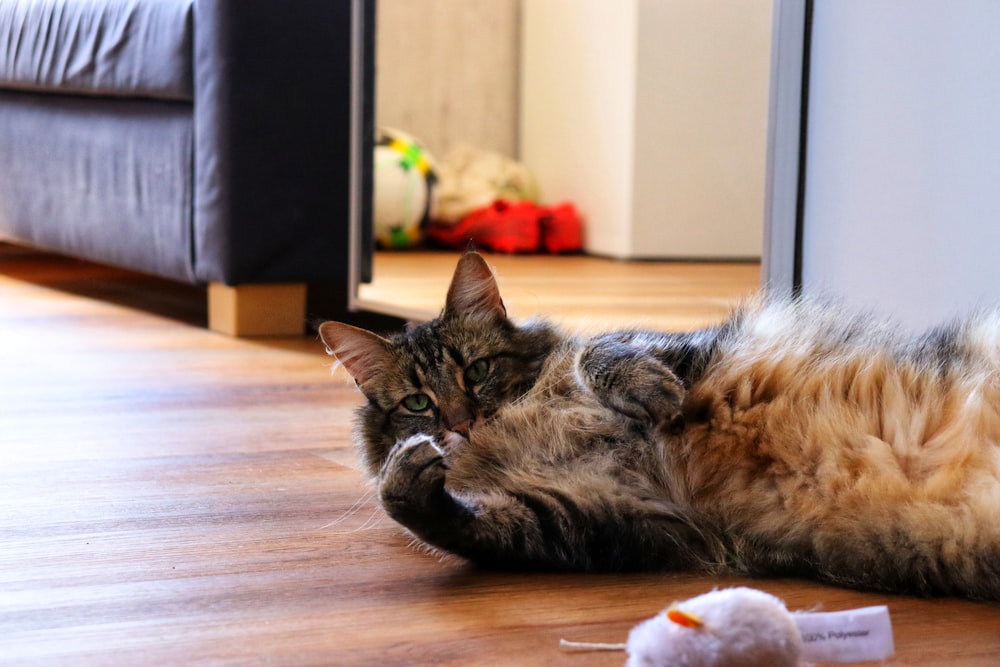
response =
{"points": [[790, 439]]}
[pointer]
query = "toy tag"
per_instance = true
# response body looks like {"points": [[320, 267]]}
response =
{"points": [[856, 635]]}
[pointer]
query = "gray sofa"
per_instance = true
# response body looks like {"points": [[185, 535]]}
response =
{"points": [[205, 141]]}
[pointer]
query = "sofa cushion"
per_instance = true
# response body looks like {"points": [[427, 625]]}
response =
{"points": [[104, 179], [126, 48]]}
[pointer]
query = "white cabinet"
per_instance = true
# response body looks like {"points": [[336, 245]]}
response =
{"points": [[650, 115]]}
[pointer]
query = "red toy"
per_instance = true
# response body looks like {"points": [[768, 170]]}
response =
{"points": [[514, 227], [562, 229]]}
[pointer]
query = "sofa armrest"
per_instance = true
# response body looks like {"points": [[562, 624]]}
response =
{"points": [[272, 98]]}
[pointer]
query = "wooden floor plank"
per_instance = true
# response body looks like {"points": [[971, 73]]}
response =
{"points": [[173, 496], [579, 292]]}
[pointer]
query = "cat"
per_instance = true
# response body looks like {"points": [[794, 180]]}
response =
{"points": [[792, 439]]}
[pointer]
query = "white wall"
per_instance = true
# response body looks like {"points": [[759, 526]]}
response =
{"points": [[578, 98], [652, 116], [701, 136], [903, 193]]}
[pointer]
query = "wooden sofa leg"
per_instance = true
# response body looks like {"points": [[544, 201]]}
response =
{"points": [[258, 309]]}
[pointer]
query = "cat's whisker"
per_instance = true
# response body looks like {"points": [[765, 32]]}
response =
{"points": [[365, 498], [371, 522]]}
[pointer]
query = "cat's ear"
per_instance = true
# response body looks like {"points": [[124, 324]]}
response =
{"points": [[363, 353], [474, 290]]}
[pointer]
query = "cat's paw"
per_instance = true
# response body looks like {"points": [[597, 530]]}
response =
{"points": [[636, 385], [412, 477]]}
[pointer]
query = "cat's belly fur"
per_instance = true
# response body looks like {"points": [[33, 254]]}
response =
{"points": [[825, 452]]}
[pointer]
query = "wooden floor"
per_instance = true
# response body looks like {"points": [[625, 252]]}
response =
{"points": [[581, 293], [172, 496]]}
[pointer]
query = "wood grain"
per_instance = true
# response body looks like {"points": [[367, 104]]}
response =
{"points": [[257, 309], [447, 72], [580, 292], [174, 496]]}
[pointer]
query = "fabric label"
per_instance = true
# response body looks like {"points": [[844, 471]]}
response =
{"points": [[856, 635]]}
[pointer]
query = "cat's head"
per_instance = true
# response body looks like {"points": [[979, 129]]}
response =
{"points": [[442, 377]]}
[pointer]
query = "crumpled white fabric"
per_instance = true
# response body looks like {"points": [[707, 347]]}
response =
{"points": [[470, 178]]}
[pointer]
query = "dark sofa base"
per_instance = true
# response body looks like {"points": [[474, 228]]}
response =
{"points": [[109, 180]]}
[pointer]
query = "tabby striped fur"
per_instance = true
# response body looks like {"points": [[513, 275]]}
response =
{"points": [[792, 439]]}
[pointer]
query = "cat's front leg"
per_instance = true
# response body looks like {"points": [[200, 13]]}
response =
{"points": [[486, 527], [579, 526], [411, 482], [632, 381]]}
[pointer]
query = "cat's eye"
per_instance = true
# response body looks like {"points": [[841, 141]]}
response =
{"points": [[417, 402], [477, 371]]}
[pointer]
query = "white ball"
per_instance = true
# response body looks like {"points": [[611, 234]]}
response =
{"points": [[403, 180]]}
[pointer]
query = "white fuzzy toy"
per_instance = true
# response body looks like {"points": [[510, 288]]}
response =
{"points": [[744, 627], [732, 627]]}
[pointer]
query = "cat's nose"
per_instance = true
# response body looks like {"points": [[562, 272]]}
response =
{"points": [[462, 428], [458, 419]]}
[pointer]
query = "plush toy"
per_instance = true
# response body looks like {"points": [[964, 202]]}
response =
{"points": [[471, 179], [514, 227], [734, 627], [485, 200], [744, 627]]}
